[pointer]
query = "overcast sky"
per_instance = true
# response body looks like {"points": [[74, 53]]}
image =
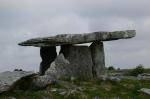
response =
{"points": [[25, 19]]}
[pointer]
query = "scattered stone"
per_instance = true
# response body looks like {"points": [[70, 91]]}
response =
{"points": [[63, 93], [9, 80], [64, 39], [145, 90], [144, 76], [54, 89], [67, 88], [10, 98], [98, 58], [108, 77], [114, 79], [80, 61], [115, 74], [128, 77], [103, 77], [72, 78], [61, 90], [66, 84], [69, 91]]}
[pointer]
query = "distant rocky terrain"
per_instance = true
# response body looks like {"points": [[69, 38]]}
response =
{"points": [[113, 85]]}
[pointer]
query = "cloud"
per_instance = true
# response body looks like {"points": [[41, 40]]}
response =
{"points": [[25, 19], [127, 8]]}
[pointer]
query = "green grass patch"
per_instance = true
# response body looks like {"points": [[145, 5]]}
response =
{"points": [[125, 89]]}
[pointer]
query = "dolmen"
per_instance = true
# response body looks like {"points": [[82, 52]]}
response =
{"points": [[75, 61]]}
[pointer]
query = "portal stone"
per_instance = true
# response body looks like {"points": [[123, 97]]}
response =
{"points": [[98, 58], [80, 60], [48, 55]]}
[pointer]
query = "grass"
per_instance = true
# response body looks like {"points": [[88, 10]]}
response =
{"points": [[126, 89]]}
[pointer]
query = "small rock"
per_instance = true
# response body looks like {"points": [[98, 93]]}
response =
{"points": [[63, 93], [145, 90], [144, 76], [11, 98], [115, 74], [103, 77], [114, 79], [72, 78], [53, 89]]}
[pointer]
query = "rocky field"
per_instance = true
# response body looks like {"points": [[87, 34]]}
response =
{"points": [[97, 89]]}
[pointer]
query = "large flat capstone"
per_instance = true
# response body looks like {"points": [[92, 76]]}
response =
{"points": [[64, 39]]}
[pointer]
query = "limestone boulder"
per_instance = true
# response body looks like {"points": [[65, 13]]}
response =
{"points": [[9, 80], [40, 82]]}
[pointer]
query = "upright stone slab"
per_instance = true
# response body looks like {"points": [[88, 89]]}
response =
{"points": [[98, 58], [48, 55], [80, 60]]}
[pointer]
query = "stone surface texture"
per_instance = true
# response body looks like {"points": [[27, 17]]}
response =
{"points": [[80, 60], [59, 68], [98, 58], [9, 79], [64, 39], [48, 55], [41, 82]]}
